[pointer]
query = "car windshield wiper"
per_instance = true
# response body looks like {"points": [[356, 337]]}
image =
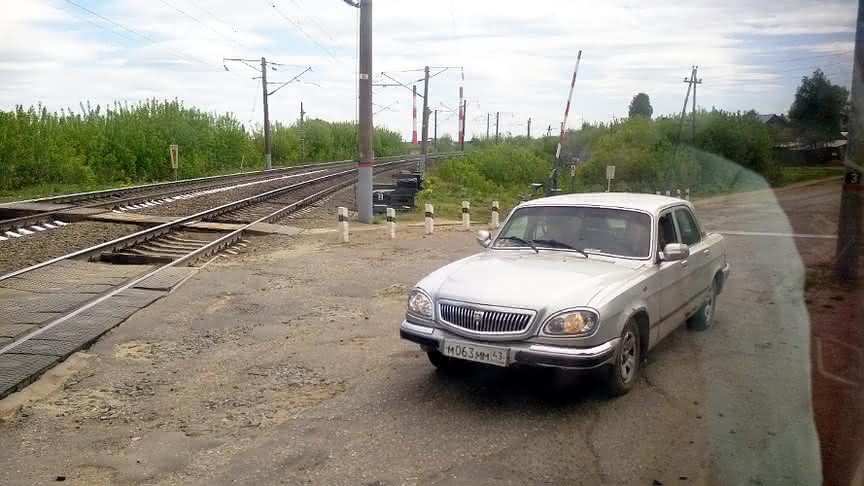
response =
{"points": [[520, 240], [560, 244]]}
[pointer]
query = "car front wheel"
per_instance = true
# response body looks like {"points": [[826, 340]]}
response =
{"points": [[625, 367]]}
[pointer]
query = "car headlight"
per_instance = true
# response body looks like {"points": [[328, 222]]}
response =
{"points": [[420, 304], [572, 323]]}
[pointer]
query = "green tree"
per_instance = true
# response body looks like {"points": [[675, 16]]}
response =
{"points": [[641, 106], [817, 111]]}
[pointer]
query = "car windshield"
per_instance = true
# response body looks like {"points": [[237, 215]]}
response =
{"points": [[609, 231]]}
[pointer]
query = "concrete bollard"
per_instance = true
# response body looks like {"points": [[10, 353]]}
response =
{"points": [[687, 194], [391, 222], [657, 192], [342, 213], [668, 193], [679, 193], [466, 215], [430, 219], [494, 214]]}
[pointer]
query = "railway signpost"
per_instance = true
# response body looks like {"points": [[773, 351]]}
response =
{"points": [[173, 150]]}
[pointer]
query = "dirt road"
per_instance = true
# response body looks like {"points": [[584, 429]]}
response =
{"points": [[283, 366]]}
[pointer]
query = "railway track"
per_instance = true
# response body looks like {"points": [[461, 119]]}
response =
{"points": [[53, 308], [22, 218]]}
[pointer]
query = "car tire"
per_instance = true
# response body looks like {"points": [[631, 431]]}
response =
{"points": [[444, 364], [622, 374], [704, 317]]}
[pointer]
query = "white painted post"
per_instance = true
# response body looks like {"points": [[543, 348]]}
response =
{"points": [[466, 215], [430, 219], [668, 193], [342, 213], [391, 222], [657, 192], [679, 193], [494, 214], [687, 194]]}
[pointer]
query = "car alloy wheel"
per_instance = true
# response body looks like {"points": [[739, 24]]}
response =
{"points": [[629, 356]]}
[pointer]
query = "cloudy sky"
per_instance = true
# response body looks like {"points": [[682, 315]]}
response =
{"points": [[517, 56]]}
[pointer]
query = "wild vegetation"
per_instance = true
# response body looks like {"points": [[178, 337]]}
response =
{"points": [[43, 152]]}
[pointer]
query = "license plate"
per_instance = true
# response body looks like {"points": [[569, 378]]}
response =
{"points": [[475, 352]]}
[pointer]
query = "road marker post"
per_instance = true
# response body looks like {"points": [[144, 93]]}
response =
{"points": [[687, 194], [430, 219], [657, 192], [342, 214], [678, 191], [494, 214], [466, 215], [391, 223], [668, 193]]}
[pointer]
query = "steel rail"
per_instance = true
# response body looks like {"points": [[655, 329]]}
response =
{"points": [[159, 230], [208, 249]]}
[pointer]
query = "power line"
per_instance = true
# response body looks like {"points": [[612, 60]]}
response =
{"points": [[205, 25], [79, 17], [193, 2], [148, 39], [315, 22], [297, 25]]}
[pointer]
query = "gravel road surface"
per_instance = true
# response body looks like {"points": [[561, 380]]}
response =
{"points": [[284, 366]]}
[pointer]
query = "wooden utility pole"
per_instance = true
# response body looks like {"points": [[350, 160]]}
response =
{"points": [[497, 114], [268, 147], [302, 134], [849, 238]]}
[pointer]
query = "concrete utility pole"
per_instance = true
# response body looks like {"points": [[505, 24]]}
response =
{"points": [[692, 82], [529, 129], [461, 118], [425, 130], [268, 147], [488, 115], [497, 114], [435, 133], [549, 131], [849, 238], [414, 116], [464, 118], [302, 134], [364, 165]]}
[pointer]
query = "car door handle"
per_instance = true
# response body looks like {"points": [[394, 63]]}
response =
{"points": [[706, 251], [684, 263]]}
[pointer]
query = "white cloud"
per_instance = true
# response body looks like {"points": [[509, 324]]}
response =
{"points": [[518, 56]]}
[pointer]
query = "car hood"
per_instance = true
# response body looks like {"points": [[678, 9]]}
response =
{"points": [[522, 278]]}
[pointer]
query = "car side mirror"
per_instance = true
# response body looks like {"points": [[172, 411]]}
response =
{"points": [[674, 252], [484, 238]]}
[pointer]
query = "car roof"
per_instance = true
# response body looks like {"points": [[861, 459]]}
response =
{"points": [[627, 200]]}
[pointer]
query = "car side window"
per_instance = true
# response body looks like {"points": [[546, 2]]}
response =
{"points": [[666, 231], [690, 234]]}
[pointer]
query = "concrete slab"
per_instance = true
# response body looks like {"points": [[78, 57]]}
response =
{"points": [[36, 206], [25, 316], [274, 229], [131, 218], [15, 331], [44, 347], [19, 370], [167, 279]]}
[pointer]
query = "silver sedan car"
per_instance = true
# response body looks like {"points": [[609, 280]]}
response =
{"points": [[581, 281]]}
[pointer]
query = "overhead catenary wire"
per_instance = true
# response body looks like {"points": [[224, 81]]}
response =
{"points": [[195, 19], [147, 38], [297, 25]]}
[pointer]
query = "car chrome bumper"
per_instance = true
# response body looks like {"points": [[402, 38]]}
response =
{"points": [[430, 339]]}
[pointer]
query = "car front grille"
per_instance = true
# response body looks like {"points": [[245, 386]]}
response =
{"points": [[484, 320]]}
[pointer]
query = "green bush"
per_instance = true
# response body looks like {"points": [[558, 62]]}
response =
{"points": [[324, 141]]}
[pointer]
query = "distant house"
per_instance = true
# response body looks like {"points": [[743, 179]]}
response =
{"points": [[771, 119]]}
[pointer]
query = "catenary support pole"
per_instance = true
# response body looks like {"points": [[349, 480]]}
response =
{"points": [[364, 165], [268, 146], [425, 130]]}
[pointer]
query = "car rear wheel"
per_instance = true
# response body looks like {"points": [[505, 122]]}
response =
{"points": [[625, 367], [704, 317], [444, 364]]}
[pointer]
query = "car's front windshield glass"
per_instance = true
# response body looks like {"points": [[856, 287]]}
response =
{"points": [[608, 231]]}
